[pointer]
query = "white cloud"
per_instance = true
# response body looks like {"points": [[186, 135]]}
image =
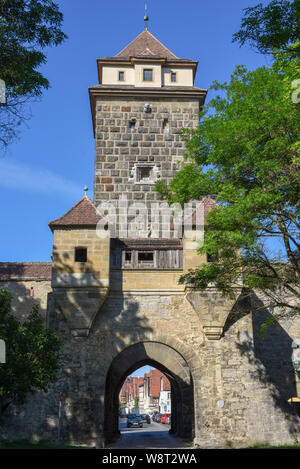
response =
{"points": [[14, 175]]}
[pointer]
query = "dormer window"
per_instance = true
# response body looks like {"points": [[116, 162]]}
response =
{"points": [[147, 74], [121, 76]]}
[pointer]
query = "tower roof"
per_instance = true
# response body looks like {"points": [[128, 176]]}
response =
{"points": [[83, 213], [146, 44]]}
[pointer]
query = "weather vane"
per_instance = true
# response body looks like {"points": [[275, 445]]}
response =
{"points": [[146, 18]]}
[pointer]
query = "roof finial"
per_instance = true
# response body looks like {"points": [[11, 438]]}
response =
{"points": [[146, 18], [85, 190]]}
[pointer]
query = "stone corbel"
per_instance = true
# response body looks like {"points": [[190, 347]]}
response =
{"points": [[212, 309], [80, 307]]}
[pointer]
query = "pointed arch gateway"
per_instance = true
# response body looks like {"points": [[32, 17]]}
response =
{"points": [[168, 361]]}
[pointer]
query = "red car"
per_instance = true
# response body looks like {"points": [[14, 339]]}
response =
{"points": [[164, 417]]}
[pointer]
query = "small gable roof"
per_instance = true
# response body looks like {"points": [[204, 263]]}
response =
{"points": [[83, 213]]}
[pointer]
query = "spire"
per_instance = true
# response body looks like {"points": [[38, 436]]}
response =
{"points": [[146, 18]]}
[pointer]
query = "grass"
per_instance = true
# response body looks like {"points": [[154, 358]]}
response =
{"points": [[25, 444], [295, 446]]}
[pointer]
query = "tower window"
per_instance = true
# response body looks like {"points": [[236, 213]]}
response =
{"points": [[147, 74], [212, 258], [173, 77], [146, 258], [121, 76], [128, 257], [132, 123], [166, 127], [144, 173], [80, 254]]}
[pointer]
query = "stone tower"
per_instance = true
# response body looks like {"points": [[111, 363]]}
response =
{"points": [[117, 302], [145, 96]]}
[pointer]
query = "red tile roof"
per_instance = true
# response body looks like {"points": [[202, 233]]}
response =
{"points": [[208, 204], [147, 52], [83, 213], [146, 41], [25, 271]]}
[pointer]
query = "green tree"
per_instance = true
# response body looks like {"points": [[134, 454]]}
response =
{"points": [[246, 154], [26, 28], [270, 28], [32, 354], [136, 402]]}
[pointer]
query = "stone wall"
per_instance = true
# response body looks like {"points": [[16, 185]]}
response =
{"points": [[66, 271], [118, 148], [239, 398], [22, 301]]}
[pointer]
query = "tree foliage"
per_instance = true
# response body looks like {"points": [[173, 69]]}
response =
{"points": [[246, 154], [32, 354], [272, 27], [27, 27]]}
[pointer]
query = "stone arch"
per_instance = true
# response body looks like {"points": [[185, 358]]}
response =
{"points": [[168, 360]]}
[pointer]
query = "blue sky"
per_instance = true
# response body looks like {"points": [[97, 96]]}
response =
{"points": [[43, 174], [139, 373]]}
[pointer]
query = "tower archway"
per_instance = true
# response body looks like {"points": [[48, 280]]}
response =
{"points": [[168, 361]]}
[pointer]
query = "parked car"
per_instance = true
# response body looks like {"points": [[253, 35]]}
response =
{"points": [[164, 417], [134, 421], [146, 418], [158, 417]]}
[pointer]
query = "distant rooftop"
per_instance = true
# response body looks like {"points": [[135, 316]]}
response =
{"points": [[25, 271]]}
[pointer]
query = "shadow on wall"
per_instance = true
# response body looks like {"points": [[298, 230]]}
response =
{"points": [[271, 357], [29, 285], [85, 363], [26, 293]]}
